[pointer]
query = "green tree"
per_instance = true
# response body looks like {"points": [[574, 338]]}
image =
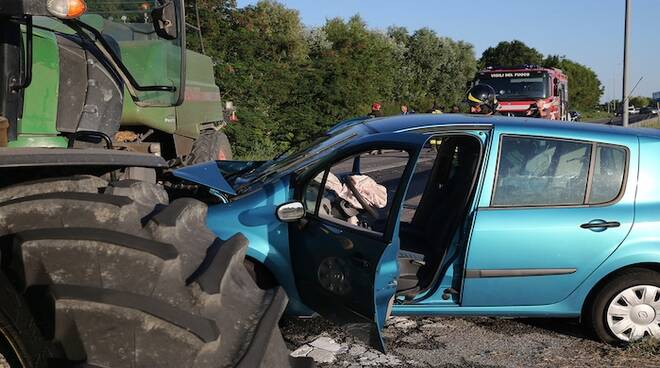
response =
{"points": [[403, 81], [510, 54], [259, 53], [436, 69], [357, 68], [640, 101]]}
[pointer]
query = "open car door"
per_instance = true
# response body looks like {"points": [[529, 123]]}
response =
{"points": [[344, 252]]}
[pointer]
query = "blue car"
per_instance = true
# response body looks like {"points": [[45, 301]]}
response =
{"points": [[454, 215]]}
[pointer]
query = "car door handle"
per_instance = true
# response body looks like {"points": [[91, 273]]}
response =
{"points": [[600, 224]]}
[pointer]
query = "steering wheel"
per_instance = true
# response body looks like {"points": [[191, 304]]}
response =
{"points": [[367, 207]]}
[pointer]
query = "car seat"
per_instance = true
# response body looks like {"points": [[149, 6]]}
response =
{"points": [[442, 210]]}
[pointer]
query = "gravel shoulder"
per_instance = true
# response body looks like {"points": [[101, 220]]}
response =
{"points": [[462, 342], [468, 342]]}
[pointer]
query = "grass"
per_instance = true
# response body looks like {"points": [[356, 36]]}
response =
{"points": [[651, 123], [595, 115]]}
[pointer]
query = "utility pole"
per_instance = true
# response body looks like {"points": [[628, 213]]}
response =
{"points": [[626, 38]]}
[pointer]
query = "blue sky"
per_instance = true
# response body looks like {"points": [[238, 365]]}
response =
{"points": [[587, 31]]}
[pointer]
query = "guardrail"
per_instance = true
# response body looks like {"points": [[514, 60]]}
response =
{"points": [[649, 122]]}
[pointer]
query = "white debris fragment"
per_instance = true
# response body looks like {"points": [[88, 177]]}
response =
{"points": [[394, 320], [357, 350], [302, 351], [407, 324], [322, 356], [374, 358], [326, 344], [438, 325]]}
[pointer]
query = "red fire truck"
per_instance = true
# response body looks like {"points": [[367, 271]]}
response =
{"points": [[528, 90]]}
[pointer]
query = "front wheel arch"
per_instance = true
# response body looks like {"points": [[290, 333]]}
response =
{"points": [[260, 273]]}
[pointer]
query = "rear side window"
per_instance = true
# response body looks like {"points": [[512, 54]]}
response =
{"points": [[538, 172], [553, 172], [609, 172]]}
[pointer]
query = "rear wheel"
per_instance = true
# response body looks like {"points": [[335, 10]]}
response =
{"points": [[627, 308], [124, 279]]}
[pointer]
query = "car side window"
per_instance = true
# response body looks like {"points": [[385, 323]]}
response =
{"points": [[358, 190], [541, 172], [608, 175]]}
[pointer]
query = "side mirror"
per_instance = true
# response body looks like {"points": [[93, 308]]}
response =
{"points": [[290, 212], [164, 20]]}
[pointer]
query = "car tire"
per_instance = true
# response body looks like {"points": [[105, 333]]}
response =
{"points": [[613, 320], [115, 276], [209, 146]]}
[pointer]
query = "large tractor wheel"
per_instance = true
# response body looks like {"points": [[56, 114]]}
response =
{"points": [[210, 146], [113, 276]]}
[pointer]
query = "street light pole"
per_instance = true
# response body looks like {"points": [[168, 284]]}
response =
{"points": [[626, 37]]}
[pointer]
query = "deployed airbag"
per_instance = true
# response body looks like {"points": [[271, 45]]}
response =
{"points": [[374, 193]]}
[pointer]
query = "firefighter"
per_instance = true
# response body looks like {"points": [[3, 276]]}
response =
{"points": [[376, 110], [482, 100]]}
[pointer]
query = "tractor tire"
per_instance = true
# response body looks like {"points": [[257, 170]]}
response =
{"points": [[102, 275], [209, 146]]}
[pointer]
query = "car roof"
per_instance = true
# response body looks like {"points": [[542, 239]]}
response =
{"points": [[413, 122]]}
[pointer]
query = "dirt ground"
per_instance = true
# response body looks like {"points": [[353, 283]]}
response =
{"points": [[474, 342], [470, 343]]}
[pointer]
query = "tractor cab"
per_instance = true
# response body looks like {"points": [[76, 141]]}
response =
{"points": [[72, 62]]}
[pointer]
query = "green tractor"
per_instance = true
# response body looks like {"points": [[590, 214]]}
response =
{"points": [[98, 268], [185, 123]]}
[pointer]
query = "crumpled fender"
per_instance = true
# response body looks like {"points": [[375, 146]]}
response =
{"points": [[207, 174]]}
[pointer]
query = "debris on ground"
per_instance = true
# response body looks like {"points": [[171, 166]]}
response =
{"points": [[465, 342], [323, 349]]}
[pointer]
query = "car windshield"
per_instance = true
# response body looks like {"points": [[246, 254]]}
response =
{"points": [[510, 87]]}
